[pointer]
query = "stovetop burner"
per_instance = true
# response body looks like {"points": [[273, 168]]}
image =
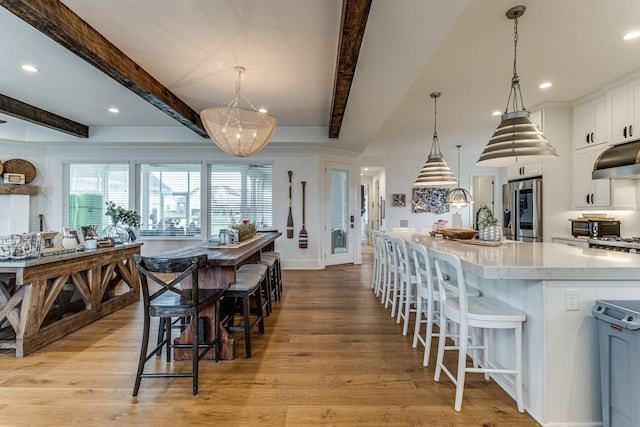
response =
{"points": [[621, 239]]}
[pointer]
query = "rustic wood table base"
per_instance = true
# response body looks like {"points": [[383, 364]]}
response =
{"points": [[44, 299]]}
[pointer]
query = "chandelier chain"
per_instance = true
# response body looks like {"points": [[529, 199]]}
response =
{"points": [[515, 93]]}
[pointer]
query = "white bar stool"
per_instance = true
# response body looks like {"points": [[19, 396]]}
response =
{"points": [[479, 312]]}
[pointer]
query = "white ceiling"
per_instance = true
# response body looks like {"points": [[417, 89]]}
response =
{"points": [[463, 49]]}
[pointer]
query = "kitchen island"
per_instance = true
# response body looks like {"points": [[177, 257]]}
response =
{"points": [[556, 285]]}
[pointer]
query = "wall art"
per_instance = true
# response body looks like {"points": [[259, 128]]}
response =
{"points": [[399, 200], [430, 199]]}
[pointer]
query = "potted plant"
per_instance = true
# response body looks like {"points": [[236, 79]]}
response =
{"points": [[246, 230], [120, 216], [489, 228]]}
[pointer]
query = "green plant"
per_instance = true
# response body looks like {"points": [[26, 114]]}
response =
{"points": [[119, 214], [245, 229], [488, 221]]}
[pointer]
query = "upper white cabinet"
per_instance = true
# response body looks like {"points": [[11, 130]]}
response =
{"points": [[519, 171], [624, 111], [589, 193], [590, 120]]}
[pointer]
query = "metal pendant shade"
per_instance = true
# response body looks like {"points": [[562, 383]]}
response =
{"points": [[238, 131], [435, 171], [459, 197], [517, 139]]}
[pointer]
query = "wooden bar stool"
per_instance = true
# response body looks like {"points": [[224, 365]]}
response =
{"points": [[236, 301], [483, 313], [171, 301], [262, 271], [270, 261], [278, 270]]}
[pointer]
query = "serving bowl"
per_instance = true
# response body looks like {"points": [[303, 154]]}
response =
{"points": [[459, 233]]}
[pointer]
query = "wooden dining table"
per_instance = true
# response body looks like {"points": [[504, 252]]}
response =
{"points": [[220, 273]]}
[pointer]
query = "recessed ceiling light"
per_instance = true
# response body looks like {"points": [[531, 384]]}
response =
{"points": [[262, 110], [496, 113], [632, 35], [30, 68], [366, 169], [113, 110], [545, 85]]}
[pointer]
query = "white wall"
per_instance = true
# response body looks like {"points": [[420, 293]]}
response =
{"points": [[306, 164]]}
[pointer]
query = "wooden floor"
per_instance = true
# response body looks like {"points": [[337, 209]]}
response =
{"points": [[331, 355]]}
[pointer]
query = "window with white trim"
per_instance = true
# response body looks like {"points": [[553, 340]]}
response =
{"points": [[240, 192], [88, 186], [169, 198]]}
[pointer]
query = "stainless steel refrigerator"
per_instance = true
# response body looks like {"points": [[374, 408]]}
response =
{"points": [[522, 210]]}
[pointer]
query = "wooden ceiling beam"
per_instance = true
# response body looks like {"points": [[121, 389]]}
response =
{"points": [[61, 24], [353, 24], [13, 107]]}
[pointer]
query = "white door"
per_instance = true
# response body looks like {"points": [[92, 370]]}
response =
{"points": [[340, 215]]}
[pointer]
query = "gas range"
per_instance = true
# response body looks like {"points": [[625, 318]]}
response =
{"points": [[619, 244]]}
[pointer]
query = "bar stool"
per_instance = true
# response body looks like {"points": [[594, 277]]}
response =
{"points": [[262, 271], [236, 300], [278, 269], [427, 298], [171, 301], [270, 262], [483, 313]]}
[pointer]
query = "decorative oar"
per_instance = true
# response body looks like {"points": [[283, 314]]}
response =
{"points": [[290, 218], [302, 240]]}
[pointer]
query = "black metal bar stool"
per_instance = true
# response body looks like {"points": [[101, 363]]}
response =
{"points": [[171, 301]]}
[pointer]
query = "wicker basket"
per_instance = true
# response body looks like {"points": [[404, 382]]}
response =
{"points": [[458, 233], [19, 246]]}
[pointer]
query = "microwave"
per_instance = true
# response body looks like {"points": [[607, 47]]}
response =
{"points": [[595, 228]]}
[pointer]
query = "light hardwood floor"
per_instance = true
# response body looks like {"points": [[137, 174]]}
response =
{"points": [[331, 355]]}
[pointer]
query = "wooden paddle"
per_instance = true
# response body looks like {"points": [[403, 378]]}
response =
{"points": [[302, 239], [290, 218]]}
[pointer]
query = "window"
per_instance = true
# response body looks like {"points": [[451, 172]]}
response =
{"points": [[169, 199], [238, 192], [88, 186]]}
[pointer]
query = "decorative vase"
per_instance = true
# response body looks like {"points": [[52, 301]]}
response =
{"points": [[117, 232], [492, 233]]}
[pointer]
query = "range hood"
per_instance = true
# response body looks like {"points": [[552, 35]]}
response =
{"points": [[618, 161]]}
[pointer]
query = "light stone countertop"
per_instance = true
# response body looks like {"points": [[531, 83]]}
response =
{"points": [[539, 261]]}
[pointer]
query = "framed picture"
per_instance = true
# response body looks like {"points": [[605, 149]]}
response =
{"points": [[51, 243], [399, 200], [76, 233]]}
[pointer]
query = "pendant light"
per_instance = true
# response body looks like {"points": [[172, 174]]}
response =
{"points": [[517, 139], [240, 132], [435, 171], [459, 197]]}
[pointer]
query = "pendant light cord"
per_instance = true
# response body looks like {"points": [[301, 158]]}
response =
{"points": [[515, 91], [435, 145]]}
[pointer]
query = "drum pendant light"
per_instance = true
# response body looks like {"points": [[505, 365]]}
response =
{"points": [[517, 139], [435, 171], [459, 197]]}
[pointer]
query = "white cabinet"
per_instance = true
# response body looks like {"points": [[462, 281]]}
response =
{"points": [[590, 123], [589, 192], [624, 111], [518, 172]]}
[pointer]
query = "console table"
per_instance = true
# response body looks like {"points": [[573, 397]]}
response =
{"points": [[43, 299]]}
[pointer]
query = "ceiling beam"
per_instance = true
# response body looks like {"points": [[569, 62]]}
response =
{"points": [[59, 23], [13, 107], [354, 22]]}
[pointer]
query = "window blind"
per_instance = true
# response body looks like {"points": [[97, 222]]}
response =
{"points": [[88, 186], [240, 192]]}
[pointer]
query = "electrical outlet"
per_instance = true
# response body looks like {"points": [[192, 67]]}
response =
{"points": [[571, 299]]}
